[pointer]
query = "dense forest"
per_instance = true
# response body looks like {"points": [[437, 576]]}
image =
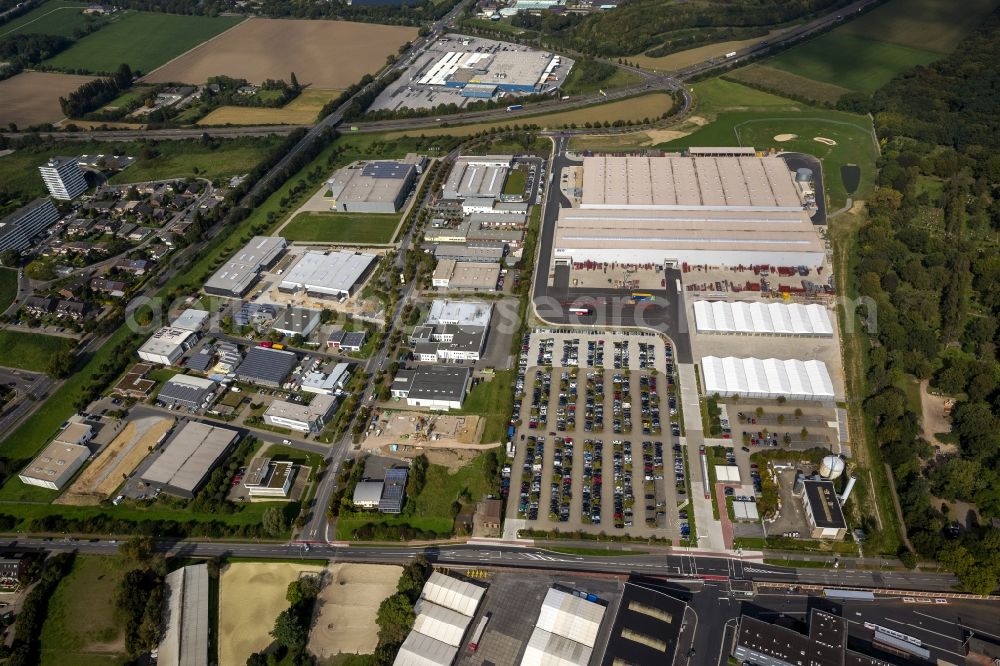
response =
{"points": [[928, 259]]}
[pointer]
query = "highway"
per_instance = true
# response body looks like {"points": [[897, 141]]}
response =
{"points": [[653, 81]]}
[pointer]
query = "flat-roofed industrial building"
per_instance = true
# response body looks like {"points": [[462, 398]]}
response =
{"points": [[822, 509], [474, 176], [328, 275], [266, 367], [371, 187], [185, 600], [309, 418], [186, 392], [466, 275], [167, 345], [188, 458], [56, 464], [705, 210], [434, 387], [239, 274], [566, 630]]}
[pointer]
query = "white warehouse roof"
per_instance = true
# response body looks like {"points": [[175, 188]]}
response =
{"points": [[545, 649], [762, 318], [334, 273], [570, 616], [766, 378], [465, 313], [440, 623], [452, 593], [422, 650]]}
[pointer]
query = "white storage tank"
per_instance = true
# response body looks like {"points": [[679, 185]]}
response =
{"points": [[831, 467]]}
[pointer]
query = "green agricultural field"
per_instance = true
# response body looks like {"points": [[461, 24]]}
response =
{"points": [[363, 228], [853, 134], [8, 287], [29, 351], [778, 79], [56, 17], [932, 25], [80, 626], [852, 62], [620, 78], [144, 40]]}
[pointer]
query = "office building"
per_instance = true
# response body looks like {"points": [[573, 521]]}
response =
{"points": [[326, 383], [393, 490], [765, 643], [64, 178], [448, 342], [269, 479], [348, 341], [309, 418], [822, 509]]}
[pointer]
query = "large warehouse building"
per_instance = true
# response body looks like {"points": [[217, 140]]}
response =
{"points": [[238, 275], [511, 71], [167, 345], [371, 187], [477, 176], [183, 464], [185, 601], [330, 275], [705, 210], [768, 378]]}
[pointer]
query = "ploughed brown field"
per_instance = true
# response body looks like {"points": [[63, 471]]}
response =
{"points": [[323, 54], [31, 98]]}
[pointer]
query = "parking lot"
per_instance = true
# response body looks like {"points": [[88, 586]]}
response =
{"points": [[592, 449]]}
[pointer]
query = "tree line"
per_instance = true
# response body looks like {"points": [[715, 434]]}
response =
{"points": [[927, 258], [95, 94]]}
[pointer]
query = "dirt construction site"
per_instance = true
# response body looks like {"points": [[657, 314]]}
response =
{"points": [[424, 430], [344, 620], [117, 460], [251, 595]]}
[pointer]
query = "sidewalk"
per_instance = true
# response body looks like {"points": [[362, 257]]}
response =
{"points": [[709, 529]]}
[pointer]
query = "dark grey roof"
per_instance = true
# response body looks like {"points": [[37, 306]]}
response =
{"points": [[393, 491], [433, 382], [396, 170], [353, 339], [647, 613], [826, 644], [202, 360], [822, 498], [182, 393], [266, 365]]}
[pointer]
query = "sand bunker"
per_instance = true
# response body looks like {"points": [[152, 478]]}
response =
{"points": [[347, 607], [824, 140], [785, 137]]}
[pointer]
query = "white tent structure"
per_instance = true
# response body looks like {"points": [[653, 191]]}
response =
{"points": [[422, 650], [440, 623], [545, 649], [768, 378], [757, 318], [570, 616], [452, 593]]}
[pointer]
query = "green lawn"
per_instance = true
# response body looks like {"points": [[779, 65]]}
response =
{"points": [[516, 182], [56, 17], [144, 40], [365, 228], [29, 351], [717, 95], [431, 510], [855, 144], [131, 95], [857, 63], [80, 627], [493, 400], [8, 287]]}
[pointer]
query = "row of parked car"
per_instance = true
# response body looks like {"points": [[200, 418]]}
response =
{"points": [[531, 478]]}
